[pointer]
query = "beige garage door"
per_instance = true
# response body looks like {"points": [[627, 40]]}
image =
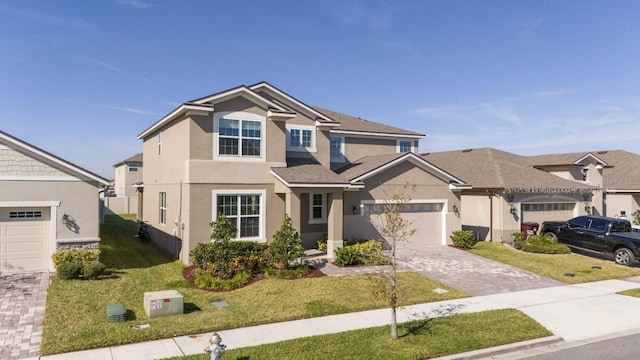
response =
{"points": [[550, 211], [24, 235], [426, 220]]}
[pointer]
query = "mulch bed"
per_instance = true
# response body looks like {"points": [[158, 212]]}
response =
{"points": [[189, 274]]}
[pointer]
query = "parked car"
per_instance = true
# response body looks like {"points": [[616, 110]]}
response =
{"points": [[595, 233]]}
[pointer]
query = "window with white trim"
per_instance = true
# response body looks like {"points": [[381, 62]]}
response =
{"points": [[317, 208], [240, 135], [244, 211], [301, 138], [405, 146], [336, 148], [133, 167], [163, 207], [159, 142]]}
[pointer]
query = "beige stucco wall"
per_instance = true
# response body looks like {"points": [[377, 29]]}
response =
{"points": [[77, 199], [617, 202], [356, 147]]}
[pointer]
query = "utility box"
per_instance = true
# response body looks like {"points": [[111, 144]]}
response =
{"points": [[159, 303], [116, 312]]}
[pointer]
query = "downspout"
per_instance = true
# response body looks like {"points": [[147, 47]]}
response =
{"points": [[490, 216]]}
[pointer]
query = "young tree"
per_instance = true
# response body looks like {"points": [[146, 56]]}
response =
{"points": [[394, 229], [286, 245]]}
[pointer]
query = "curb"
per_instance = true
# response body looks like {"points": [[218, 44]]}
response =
{"points": [[503, 349]]}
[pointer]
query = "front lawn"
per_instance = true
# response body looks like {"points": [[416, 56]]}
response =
{"points": [[76, 309], [556, 266], [417, 340]]}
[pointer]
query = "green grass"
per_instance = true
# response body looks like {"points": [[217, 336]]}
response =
{"points": [[416, 340], [557, 265], [76, 309]]}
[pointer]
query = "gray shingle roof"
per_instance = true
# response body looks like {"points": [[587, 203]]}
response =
{"points": [[307, 171], [367, 164], [356, 124], [489, 168], [135, 158]]}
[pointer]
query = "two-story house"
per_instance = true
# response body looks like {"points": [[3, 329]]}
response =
{"points": [[255, 153], [124, 198]]}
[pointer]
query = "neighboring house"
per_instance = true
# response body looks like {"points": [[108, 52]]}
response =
{"points": [[616, 172], [508, 190], [255, 153], [46, 204], [128, 173]]}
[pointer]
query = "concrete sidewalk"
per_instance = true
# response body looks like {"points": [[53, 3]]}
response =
{"points": [[571, 312]]}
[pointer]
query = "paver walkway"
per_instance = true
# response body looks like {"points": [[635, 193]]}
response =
{"points": [[23, 299]]}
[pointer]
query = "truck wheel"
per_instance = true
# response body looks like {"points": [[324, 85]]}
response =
{"points": [[552, 235], [623, 256]]}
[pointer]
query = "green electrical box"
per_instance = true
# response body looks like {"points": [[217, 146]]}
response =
{"points": [[116, 312]]}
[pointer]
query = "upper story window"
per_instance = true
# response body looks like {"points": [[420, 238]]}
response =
{"points": [[160, 142], [405, 145], [240, 135], [301, 138], [336, 147], [133, 167]]}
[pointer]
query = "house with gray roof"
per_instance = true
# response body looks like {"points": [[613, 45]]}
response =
{"points": [[507, 191], [46, 204], [255, 153], [124, 197]]}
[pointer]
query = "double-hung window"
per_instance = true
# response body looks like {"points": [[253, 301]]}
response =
{"points": [[317, 208], [301, 138], [163, 208], [239, 137], [159, 142], [243, 210], [405, 146], [336, 148]]}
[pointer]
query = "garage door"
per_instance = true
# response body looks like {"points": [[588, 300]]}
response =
{"points": [[425, 218], [549, 211], [24, 235]]}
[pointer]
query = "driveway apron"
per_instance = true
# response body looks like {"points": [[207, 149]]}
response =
{"points": [[467, 272], [23, 299]]}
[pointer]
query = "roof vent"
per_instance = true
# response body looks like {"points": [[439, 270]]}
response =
{"points": [[602, 152], [467, 150]]}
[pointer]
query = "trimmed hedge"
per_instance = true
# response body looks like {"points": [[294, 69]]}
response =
{"points": [[463, 239], [539, 244]]}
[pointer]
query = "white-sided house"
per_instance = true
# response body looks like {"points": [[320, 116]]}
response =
{"points": [[46, 204]]}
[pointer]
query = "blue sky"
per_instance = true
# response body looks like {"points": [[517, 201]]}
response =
{"points": [[82, 79]]}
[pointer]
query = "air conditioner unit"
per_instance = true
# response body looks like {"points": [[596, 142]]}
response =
{"points": [[159, 303]]}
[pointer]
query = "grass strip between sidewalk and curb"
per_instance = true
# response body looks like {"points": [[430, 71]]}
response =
{"points": [[421, 339], [569, 268], [76, 309]]}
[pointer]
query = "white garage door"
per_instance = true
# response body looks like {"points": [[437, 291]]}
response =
{"points": [[549, 211], [24, 235], [426, 219]]}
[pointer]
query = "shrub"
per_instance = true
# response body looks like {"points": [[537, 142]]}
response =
{"points": [[348, 255], [370, 253], [238, 280], [220, 252], [93, 269], [78, 256], [286, 245], [322, 242], [463, 239], [253, 263], [540, 244], [68, 270]]}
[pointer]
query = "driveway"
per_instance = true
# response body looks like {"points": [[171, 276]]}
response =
{"points": [[466, 272], [23, 299]]}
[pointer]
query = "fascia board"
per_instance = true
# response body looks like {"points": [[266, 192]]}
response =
{"points": [[416, 160], [590, 155], [376, 135], [184, 108], [54, 159], [288, 98]]}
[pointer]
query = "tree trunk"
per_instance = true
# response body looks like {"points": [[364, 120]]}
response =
{"points": [[394, 295]]}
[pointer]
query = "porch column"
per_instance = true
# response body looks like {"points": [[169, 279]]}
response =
{"points": [[292, 208], [335, 222]]}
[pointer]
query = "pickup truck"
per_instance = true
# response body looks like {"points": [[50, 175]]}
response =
{"points": [[595, 233]]}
